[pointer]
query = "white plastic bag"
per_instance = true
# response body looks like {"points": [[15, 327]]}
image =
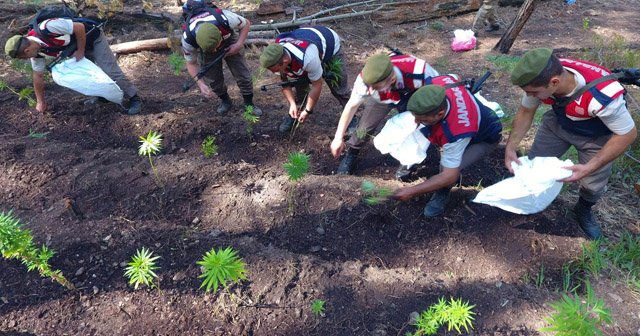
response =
{"points": [[401, 138], [534, 186], [463, 40], [492, 105], [87, 78]]}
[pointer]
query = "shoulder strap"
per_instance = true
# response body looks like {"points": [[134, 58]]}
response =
{"points": [[564, 101]]}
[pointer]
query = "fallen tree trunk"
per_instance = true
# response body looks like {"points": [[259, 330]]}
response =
{"points": [[431, 9], [509, 36], [163, 43]]}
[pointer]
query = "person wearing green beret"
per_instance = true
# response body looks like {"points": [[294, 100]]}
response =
{"points": [[385, 83], [205, 35], [56, 36], [307, 55], [464, 130], [588, 112]]}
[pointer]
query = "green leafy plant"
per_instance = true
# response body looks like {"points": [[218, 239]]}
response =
{"points": [[457, 315], [250, 118], [220, 267], [361, 133], [539, 281], [375, 195], [333, 72], [575, 317], [625, 255], [37, 135], [568, 278], [585, 23], [151, 145], [177, 63], [437, 25], [592, 259], [141, 269], [297, 166], [317, 307], [17, 243], [24, 94], [209, 147]]}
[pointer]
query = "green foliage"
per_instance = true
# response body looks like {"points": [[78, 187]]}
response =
{"points": [[441, 63], [539, 281], [220, 267], [333, 72], [209, 147], [296, 166], [17, 243], [612, 52], [437, 25], [585, 23], [177, 62], [250, 118], [457, 315], [317, 307], [592, 259], [504, 63], [573, 317], [151, 145], [375, 195], [625, 255], [140, 270], [568, 274], [24, 94], [36, 135], [361, 133]]}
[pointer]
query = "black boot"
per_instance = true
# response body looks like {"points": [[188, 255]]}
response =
{"points": [[248, 101], [403, 172], [286, 125], [492, 27], [226, 104], [348, 162], [135, 105], [585, 218], [437, 203]]}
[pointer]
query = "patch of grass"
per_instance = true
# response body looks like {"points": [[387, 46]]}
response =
{"points": [[539, 280], [504, 63], [441, 64], [575, 317], [437, 26], [592, 260], [220, 267], [612, 52], [625, 255]]}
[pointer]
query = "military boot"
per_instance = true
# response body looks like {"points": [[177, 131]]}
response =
{"points": [[226, 104], [437, 203], [135, 105], [286, 125], [348, 162], [585, 218], [248, 101]]}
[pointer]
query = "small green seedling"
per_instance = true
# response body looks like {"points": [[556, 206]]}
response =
{"points": [[333, 72], [296, 167], [24, 94], [250, 118], [575, 317], [141, 269], [586, 23], [151, 145], [37, 135], [17, 243], [177, 63], [317, 307], [375, 195], [220, 267], [454, 313], [209, 147]]}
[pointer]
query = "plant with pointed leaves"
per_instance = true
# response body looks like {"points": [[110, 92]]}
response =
{"points": [[17, 243], [455, 313], [151, 145], [37, 135], [573, 317], [209, 147], [220, 267], [317, 307], [375, 195], [141, 269], [297, 166], [333, 72], [250, 118], [24, 94], [177, 62]]}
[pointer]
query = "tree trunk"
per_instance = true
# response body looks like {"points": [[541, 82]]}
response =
{"points": [[507, 39], [160, 44], [430, 9]]}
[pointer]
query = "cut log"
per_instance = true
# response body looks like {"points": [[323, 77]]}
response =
{"points": [[430, 9], [163, 43], [509, 36]]}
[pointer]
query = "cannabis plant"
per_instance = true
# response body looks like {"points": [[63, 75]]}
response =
{"points": [[37, 135], [375, 195], [575, 317], [333, 72], [250, 118], [177, 62], [317, 307], [17, 243], [454, 313], [297, 166], [140, 270], [24, 94], [209, 147], [151, 145], [220, 267]]}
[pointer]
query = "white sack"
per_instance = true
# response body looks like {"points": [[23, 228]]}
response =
{"points": [[401, 138], [87, 78], [534, 186], [492, 105]]}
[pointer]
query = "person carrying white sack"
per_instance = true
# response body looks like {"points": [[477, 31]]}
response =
{"points": [[588, 112], [57, 34], [465, 131]]}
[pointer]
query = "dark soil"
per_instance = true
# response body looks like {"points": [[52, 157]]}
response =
{"points": [[373, 265]]}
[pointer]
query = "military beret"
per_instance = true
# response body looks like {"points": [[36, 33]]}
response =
{"points": [[208, 36], [271, 55], [376, 68], [530, 66], [12, 46], [426, 99]]}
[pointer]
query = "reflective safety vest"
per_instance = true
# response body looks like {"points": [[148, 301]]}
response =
{"points": [[296, 43], [222, 24], [53, 44]]}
